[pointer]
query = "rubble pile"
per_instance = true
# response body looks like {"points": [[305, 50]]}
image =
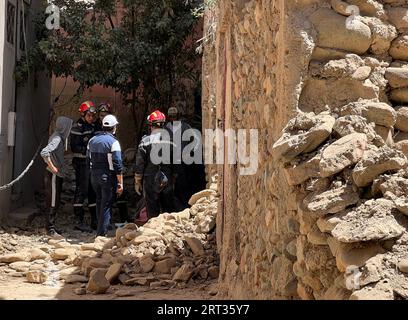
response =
{"points": [[171, 250]]}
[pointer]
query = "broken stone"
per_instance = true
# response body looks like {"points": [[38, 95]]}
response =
{"points": [[377, 292], [342, 153], [299, 173], [346, 256], [336, 293], [125, 293], [92, 246], [123, 278], [398, 16], [399, 48], [75, 278], [195, 245], [164, 266], [184, 273], [403, 265], [317, 238], [334, 32], [14, 257], [375, 162], [372, 270], [373, 220], [62, 254], [61, 244], [327, 223], [382, 34], [80, 291], [402, 119], [331, 201], [98, 284], [213, 272], [356, 124], [36, 276], [21, 266], [340, 7], [38, 254], [146, 263], [131, 235], [205, 193], [397, 77], [99, 263], [386, 135], [399, 95], [113, 272], [295, 140], [378, 112]]}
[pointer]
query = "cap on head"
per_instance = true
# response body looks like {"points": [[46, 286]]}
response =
{"points": [[110, 121], [156, 117], [173, 111], [87, 106]]}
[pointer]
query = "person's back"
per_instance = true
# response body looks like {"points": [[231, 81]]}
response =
{"points": [[104, 159], [158, 143], [102, 147], [154, 169]]}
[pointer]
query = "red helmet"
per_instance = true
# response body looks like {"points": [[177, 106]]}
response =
{"points": [[87, 106], [156, 117], [105, 107]]}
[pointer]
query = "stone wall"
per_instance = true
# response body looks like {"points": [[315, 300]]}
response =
{"points": [[323, 217]]}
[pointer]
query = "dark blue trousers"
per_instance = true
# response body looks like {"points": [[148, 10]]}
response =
{"points": [[104, 184]]}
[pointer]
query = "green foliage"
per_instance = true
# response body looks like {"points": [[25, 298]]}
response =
{"points": [[140, 50]]}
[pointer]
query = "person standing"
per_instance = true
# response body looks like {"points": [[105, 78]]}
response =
{"points": [[104, 158], [53, 155], [155, 179], [105, 109], [177, 127], [82, 131]]}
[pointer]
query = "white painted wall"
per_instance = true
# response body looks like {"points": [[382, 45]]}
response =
{"points": [[32, 107]]}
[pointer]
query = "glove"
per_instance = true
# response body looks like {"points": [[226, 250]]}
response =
{"points": [[138, 184]]}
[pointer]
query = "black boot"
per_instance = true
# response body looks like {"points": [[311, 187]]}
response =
{"points": [[79, 214], [123, 211], [50, 225], [94, 220]]}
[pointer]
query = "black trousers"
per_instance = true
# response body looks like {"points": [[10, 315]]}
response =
{"points": [[104, 184], [83, 187], [53, 189], [182, 187], [156, 200]]}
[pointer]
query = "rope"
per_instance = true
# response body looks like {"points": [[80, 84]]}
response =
{"points": [[22, 174], [10, 184]]}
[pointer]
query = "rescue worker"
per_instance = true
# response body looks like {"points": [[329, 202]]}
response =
{"points": [[151, 176], [104, 159], [82, 131], [53, 155], [177, 126], [105, 109]]}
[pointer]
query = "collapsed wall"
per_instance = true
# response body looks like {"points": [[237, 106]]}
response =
{"points": [[324, 216]]}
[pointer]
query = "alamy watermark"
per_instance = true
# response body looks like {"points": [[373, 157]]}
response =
{"points": [[53, 20], [220, 147], [354, 12]]}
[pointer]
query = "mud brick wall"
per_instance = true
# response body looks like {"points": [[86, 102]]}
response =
{"points": [[324, 217]]}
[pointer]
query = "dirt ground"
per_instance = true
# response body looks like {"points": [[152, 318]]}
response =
{"points": [[14, 286], [17, 288]]}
